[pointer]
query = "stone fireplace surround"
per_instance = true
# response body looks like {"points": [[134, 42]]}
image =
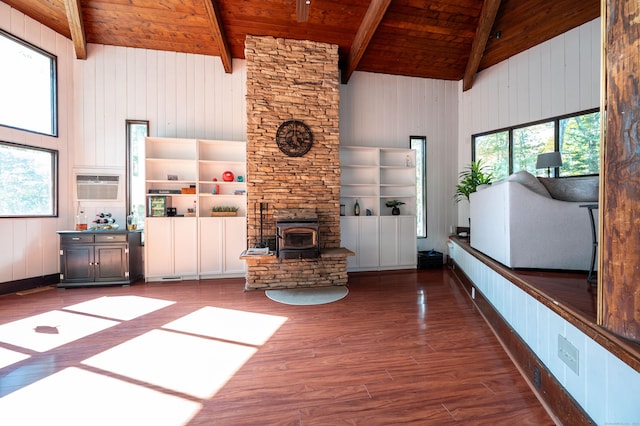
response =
{"points": [[294, 80]]}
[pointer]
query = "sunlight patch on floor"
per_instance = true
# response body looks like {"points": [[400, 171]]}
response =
{"points": [[51, 329], [122, 308], [227, 324], [191, 365], [77, 397], [8, 357]]}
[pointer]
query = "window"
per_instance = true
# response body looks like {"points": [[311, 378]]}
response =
{"points": [[579, 143], [493, 149], [29, 181], [419, 144], [530, 141], [137, 131], [576, 137], [28, 87]]}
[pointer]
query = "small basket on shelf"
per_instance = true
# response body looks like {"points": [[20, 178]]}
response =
{"points": [[219, 211]]}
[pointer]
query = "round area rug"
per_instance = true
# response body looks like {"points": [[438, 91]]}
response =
{"points": [[308, 296]]}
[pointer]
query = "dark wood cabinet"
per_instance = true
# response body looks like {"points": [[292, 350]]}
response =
{"points": [[100, 258]]}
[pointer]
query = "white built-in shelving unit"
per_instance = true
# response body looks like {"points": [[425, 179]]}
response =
{"points": [[193, 244], [372, 176]]}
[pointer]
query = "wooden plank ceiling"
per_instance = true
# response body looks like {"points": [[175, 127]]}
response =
{"points": [[442, 39]]}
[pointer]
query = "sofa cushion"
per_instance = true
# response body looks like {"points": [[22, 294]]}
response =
{"points": [[529, 181], [579, 188]]}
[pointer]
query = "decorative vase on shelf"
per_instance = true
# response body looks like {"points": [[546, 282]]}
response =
{"points": [[356, 209], [395, 211]]}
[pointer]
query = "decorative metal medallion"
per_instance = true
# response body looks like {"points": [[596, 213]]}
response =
{"points": [[294, 138]]}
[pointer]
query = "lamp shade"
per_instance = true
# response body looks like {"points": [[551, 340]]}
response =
{"points": [[549, 160]]}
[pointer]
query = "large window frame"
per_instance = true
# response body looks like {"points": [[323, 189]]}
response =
{"points": [[28, 82], [25, 177], [539, 146]]}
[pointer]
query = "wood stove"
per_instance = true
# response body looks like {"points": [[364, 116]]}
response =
{"points": [[297, 234]]}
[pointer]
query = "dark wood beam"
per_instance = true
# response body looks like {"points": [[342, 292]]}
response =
{"points": [[302, 10], [370, 22], [76, 27], [487, 18], [218, 34]]}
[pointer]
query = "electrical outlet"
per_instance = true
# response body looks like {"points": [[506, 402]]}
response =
{"points": [[473, 292], [569, 354], [537, 377]]}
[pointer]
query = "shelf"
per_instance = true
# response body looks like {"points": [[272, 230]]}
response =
{"points": [[373, 176]]}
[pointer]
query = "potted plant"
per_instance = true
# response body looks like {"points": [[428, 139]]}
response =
{"points": [[394, 204], [470, 178]]}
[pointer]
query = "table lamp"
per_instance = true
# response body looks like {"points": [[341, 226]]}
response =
{"points": [[549, 160]]}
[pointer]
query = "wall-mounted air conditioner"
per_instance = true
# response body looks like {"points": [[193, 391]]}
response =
{"points": [[94, 187]]}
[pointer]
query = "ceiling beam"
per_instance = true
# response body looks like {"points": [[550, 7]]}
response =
{"points": [[485, 24], [368, 27], [76, 27], [218, 34]]}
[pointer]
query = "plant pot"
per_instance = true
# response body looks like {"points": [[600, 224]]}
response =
{"points": [[395, 211], [222, 214]]}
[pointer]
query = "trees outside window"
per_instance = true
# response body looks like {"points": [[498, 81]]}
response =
{"points": [[530, 141], [493, 149], [579, 143], [29, 179]]}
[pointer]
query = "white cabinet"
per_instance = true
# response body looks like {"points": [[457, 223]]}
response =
{"points": [[379, 243], [221, 242], [194, 177], [400, 247], [360, 234], [372, 177], [171, 250]]}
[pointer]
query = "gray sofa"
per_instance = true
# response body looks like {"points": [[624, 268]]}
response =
{"points": [[529, 222]]}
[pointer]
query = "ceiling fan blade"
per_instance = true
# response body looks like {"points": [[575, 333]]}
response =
{"points": [[302, 10]]}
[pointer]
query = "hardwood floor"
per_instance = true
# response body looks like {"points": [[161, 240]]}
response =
{"points": [[404, 347]]}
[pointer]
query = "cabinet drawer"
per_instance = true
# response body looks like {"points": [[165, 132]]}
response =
{"points": [[76, 239], [109, 238]]}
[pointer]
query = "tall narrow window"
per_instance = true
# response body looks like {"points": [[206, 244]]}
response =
{"points": [[28, 86], [29, 179], [419, 144], [137, 131]]}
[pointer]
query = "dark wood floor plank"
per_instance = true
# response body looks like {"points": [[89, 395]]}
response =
{"points": [[404, 347]]}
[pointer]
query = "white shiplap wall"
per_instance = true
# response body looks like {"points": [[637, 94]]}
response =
{"points": [[560, 76], [29, 247], [381, 110], [181, 95]]}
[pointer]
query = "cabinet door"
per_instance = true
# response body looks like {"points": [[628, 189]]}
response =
{"points": [[389, 238], [211, 243], [349, 239], [368, 242], [110, 262], [235, 241], [185, 246], [77, 264], [158, 247], [407, 244], [398, 234]]}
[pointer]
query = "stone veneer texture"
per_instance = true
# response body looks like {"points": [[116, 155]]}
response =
{"points": [[293, 80]]}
